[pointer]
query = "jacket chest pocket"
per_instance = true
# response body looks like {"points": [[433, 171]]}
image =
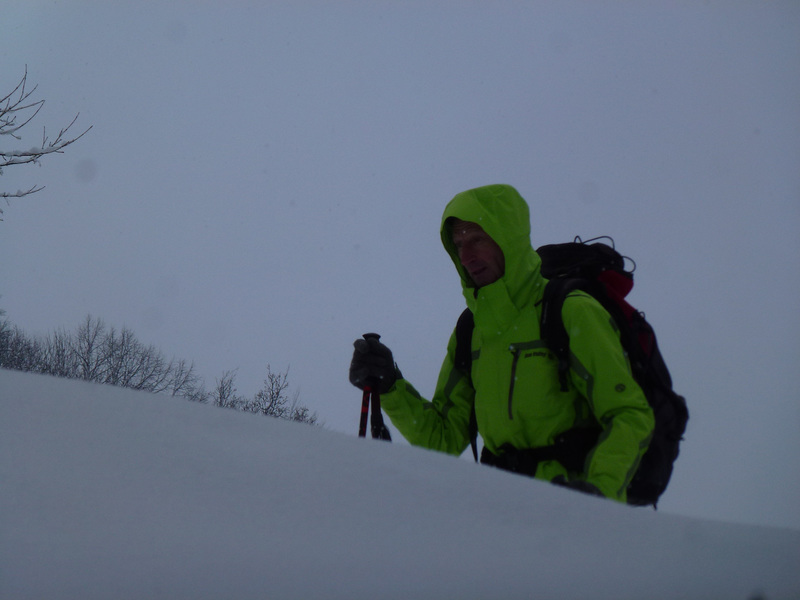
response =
{"points": [[532, 376]]}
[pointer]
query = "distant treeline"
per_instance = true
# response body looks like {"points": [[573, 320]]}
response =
{"points": [[95, 352]]}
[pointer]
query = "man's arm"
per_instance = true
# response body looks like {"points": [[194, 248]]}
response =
{"points": [[601, 372], [441, 423]]}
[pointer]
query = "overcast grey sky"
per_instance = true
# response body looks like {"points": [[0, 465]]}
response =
{"points": [[264, 182]]}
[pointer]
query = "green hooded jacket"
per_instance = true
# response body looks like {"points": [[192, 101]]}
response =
{"points": [[515, 387]]}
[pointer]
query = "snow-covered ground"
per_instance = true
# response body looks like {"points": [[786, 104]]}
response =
{"points": [[111, 493]]}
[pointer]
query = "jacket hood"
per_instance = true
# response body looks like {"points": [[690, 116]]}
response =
{"points": [[504, 215]]}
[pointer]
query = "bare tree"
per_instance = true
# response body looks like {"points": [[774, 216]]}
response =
{"points": [[86, 347], [224, 392], [58, 356], [185, 381], [273, 399], [19, 352], [18, 109], [128, 363], [97, 353]]}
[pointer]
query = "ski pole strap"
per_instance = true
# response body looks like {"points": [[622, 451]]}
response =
{"points": [[378, 427]]}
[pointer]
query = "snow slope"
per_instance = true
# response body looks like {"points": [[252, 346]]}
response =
{"points": [[112, 493]]}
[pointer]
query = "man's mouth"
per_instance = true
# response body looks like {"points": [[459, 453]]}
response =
{"points": [[476, 271]]}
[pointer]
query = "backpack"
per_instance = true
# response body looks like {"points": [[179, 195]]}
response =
{"points": [[599, 270]]}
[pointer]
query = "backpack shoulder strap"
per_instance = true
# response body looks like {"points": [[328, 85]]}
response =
{"points": [[552, 325], [464, 327], [463, 361]]}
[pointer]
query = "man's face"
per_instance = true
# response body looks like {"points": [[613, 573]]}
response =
{"points": [[481, 256]]}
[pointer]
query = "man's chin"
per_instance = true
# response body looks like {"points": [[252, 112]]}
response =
{"points": [[484, 281]]}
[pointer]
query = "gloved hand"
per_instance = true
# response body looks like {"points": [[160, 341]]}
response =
{"points": [[372, 364], [578, 485]]}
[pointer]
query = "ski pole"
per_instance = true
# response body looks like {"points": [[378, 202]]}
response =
{"points": [[371, 397], [362, 427], [378, 427]]}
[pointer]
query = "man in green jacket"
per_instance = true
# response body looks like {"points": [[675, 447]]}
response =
{"points": [[514, 392]]}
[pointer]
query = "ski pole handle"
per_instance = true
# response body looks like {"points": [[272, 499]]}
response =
{"points": [[371, 382]]}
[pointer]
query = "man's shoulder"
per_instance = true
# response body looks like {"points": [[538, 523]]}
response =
{"points": [[580, 304], [578, 298]]}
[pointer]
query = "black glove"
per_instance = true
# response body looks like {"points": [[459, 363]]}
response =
{"points": [[577, 485], [372, 364]]}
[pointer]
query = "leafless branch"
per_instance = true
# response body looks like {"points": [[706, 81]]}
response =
{"points": [[21, 193], [18, 109]]}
